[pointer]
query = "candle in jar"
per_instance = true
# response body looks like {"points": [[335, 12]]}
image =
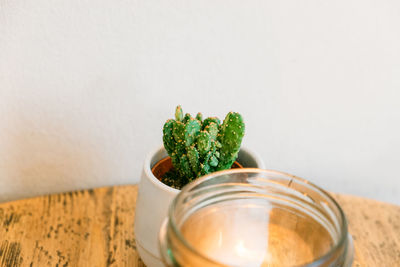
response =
{"points": [[254, 233]]}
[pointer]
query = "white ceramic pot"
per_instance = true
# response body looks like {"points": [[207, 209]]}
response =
{"points": [[154, 199]]}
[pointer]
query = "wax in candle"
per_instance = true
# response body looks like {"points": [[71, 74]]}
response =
{"points": [[255, 233]]}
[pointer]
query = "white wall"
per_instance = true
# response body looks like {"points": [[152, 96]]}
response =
{"points": [[85, 87]]}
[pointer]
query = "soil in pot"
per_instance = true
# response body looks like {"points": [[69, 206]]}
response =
{"points": [[164, 166]]}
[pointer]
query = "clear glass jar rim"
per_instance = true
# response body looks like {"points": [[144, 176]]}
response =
{"points": [[172, 223]]}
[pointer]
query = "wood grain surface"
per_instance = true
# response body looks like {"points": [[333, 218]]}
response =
{"points": [[95, 228]]}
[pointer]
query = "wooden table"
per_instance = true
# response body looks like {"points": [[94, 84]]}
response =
{"points": [[95, 228]]}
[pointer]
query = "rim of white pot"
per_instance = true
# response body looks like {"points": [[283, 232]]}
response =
{"points": [[153, 178], [161, 185]]}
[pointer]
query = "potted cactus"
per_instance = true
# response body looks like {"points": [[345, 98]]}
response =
{"points": [[193, 147], [198, 147]]}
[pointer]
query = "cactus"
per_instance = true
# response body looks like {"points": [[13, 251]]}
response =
{"points": [[198, 147]]}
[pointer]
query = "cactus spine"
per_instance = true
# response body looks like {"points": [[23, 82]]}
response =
{"points": [[198, 147]]}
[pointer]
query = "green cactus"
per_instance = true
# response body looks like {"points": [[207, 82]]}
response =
{"points": [[230, 136], [198, 147]]}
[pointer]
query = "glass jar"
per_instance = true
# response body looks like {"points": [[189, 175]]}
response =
{"points": [[254, 217]]}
